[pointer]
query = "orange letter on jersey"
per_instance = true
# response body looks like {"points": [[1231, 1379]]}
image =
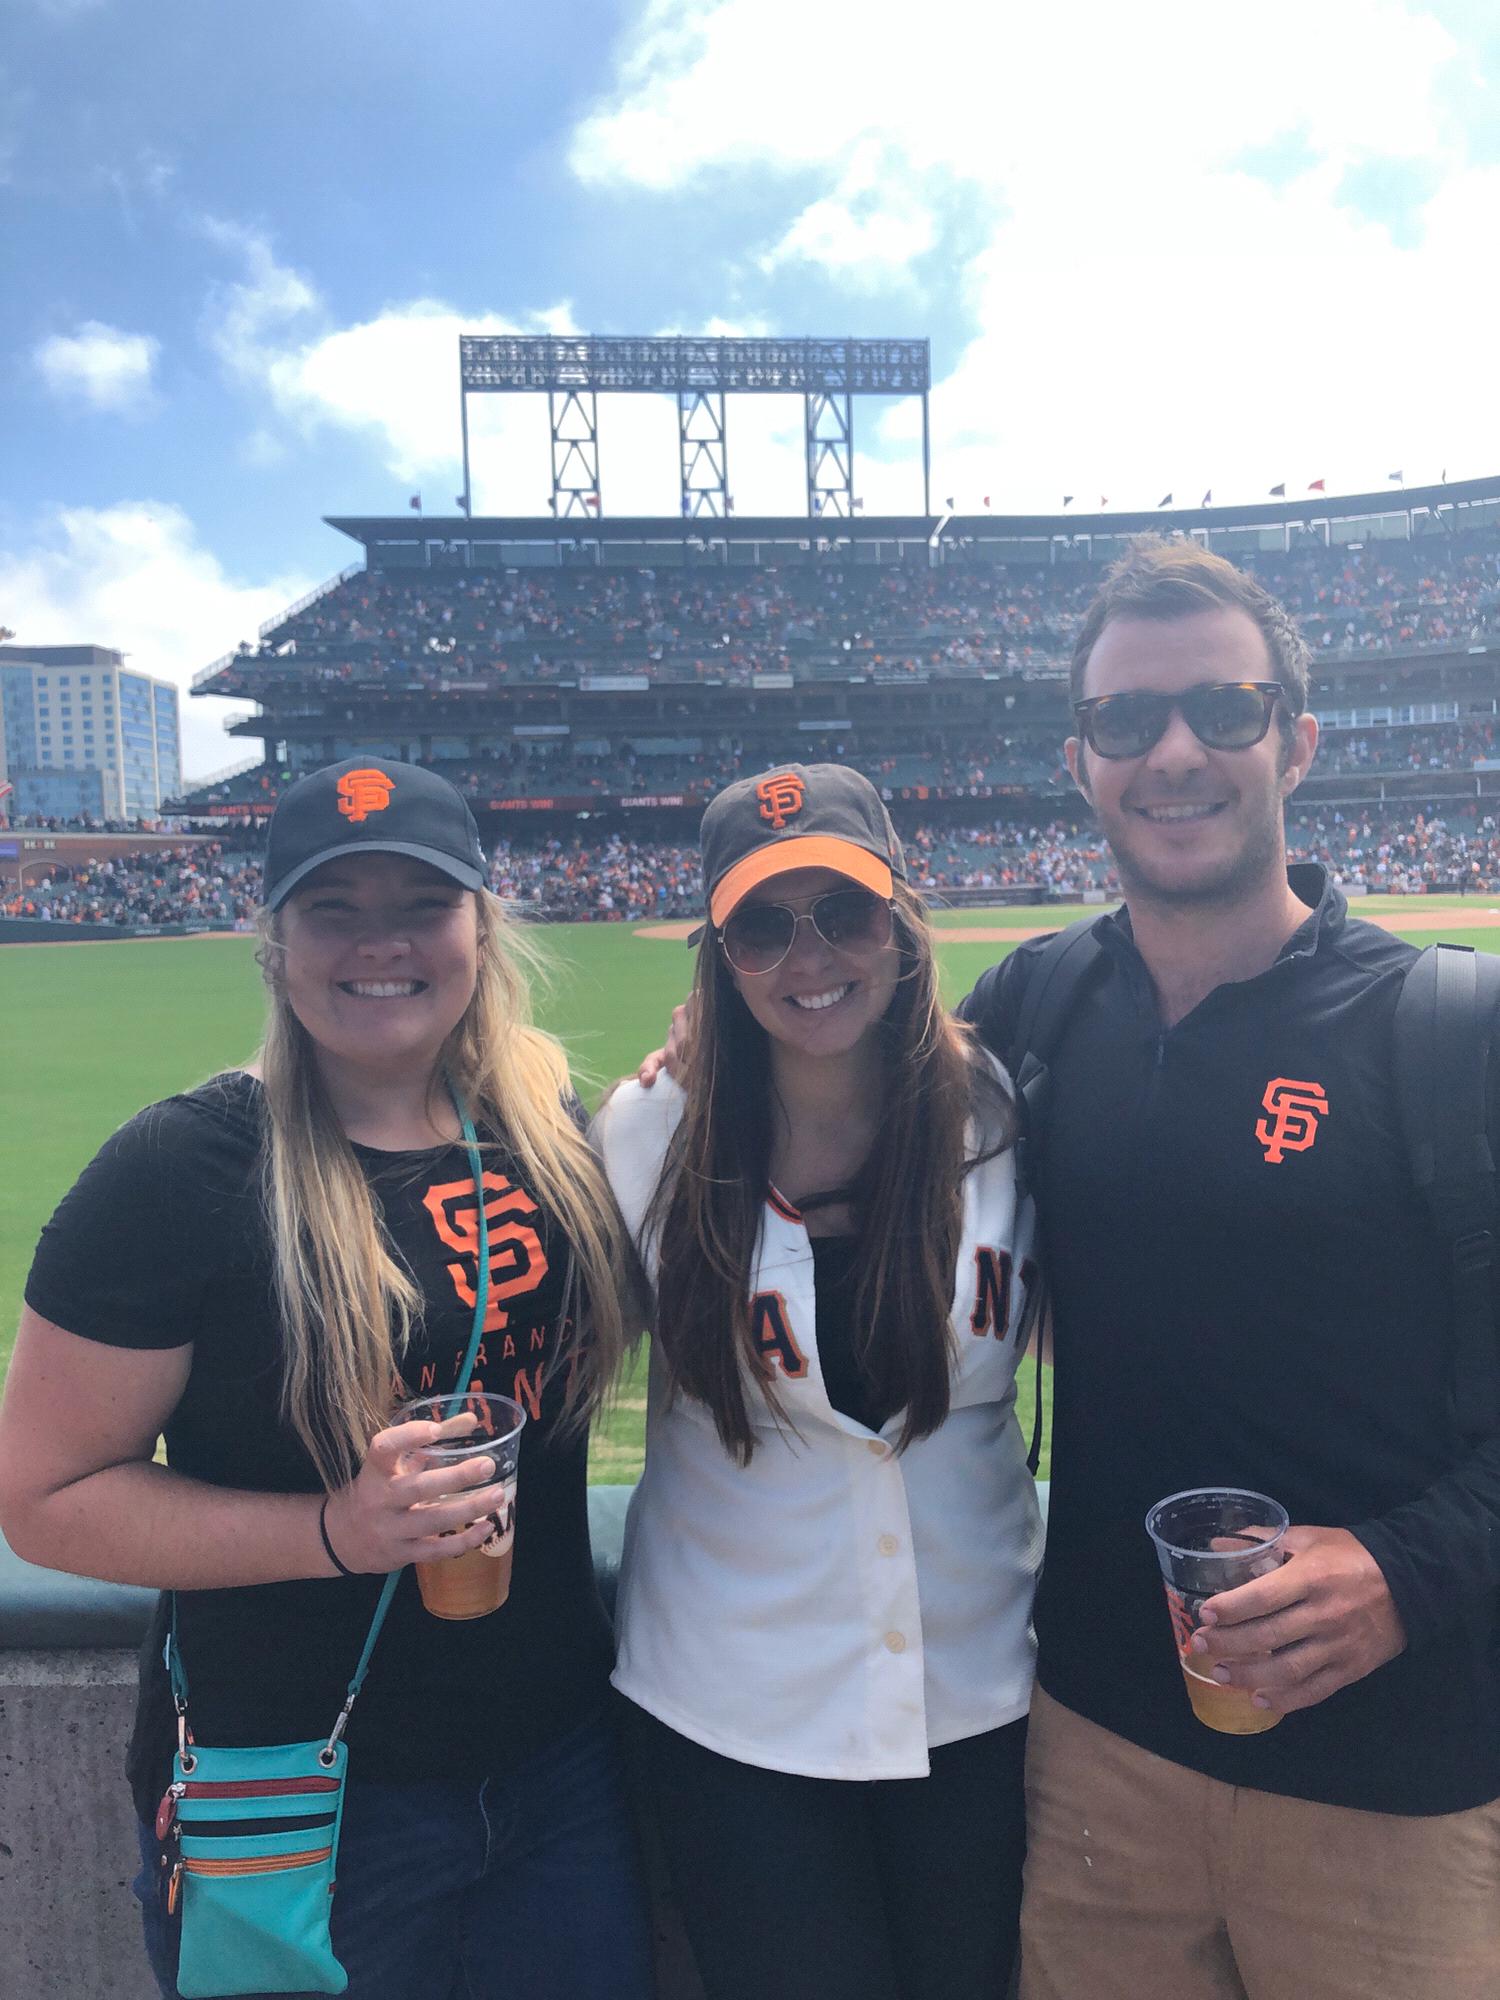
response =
{"points": [[771, 1330]]}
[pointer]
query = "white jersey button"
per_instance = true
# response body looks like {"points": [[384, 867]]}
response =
{"points": [[887, 1545], [895, 1642]]}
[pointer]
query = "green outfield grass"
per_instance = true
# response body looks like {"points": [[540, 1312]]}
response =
{"points": [[90, 1033]]}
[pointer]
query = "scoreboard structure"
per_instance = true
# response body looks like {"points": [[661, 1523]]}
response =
{"points": [[573, 371]]}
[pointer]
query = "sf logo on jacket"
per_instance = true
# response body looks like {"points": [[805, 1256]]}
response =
{"points": [[1295, 1110]]}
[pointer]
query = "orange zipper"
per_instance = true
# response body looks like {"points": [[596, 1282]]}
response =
{"points": [[256, 1864]]}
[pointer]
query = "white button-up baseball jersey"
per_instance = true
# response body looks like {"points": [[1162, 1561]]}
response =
{"points": [[836, 1607]]}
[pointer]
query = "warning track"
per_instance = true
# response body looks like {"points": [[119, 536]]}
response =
{"points": [[1387, 920]]}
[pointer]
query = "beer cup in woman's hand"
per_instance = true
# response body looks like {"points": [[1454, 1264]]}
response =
{"points": [[405, 1507], [472, 1581]]}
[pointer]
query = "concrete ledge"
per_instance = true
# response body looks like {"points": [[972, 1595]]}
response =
{"points": [[69, 1928]]}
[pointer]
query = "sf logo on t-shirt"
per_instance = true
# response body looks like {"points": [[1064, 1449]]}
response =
{"points": [[518, 1263]]}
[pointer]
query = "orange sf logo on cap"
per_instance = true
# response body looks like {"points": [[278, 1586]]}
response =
{"points": [[780, 798], [364, 792]]}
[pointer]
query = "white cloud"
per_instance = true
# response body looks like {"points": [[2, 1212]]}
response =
{"points": [[247, 317], [868, 232], [1147, 312], [100, 367], [393, 379], [135, 576]]}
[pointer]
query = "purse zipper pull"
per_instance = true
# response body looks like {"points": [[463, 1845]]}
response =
{"points": [[174, 1887], [166, 1812]]}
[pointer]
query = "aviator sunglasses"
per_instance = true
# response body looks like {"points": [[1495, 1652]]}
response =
{"points": [[1223, 715], [760, 935]]}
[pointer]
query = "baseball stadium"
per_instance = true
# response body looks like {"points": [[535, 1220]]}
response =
{"points": [[589, 681]]}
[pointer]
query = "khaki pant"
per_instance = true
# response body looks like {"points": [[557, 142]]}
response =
{"points": [[1148, 1882]]}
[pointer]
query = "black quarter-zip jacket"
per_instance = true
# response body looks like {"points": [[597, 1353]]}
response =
{"points": [[1247, 1291]]}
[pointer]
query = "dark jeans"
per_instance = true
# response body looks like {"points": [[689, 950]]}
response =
{"points": [[827, 1889], [523, 1887]]}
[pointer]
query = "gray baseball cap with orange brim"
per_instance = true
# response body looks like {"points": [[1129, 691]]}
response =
{"points": [[796, 816]]}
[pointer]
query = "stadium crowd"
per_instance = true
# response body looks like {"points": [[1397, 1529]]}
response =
{"points": [[448, 628], [606, 876], [198, 884], [1444, 746], [1401, 853]]}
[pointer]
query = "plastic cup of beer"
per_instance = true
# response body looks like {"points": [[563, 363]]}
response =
{"points": [[1209, 1539], [478, 1582]]}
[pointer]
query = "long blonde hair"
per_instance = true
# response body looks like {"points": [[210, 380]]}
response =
{"points": [[347, 1304]]}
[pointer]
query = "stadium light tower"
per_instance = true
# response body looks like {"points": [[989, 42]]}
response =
{"points": [[574, 371]]}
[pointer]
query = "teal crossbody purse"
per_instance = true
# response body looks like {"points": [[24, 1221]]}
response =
{"points": [[250, 1837]]}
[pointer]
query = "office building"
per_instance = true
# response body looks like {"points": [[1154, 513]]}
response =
{"points": [[85, 736]]}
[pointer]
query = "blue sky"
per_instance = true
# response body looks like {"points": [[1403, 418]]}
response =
{"points": [[1196, 247]]}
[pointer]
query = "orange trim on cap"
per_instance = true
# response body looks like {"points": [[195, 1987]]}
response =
{"points": [[803, 850]]}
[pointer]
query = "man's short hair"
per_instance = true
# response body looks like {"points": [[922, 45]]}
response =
{"points": [[1162, 577]]}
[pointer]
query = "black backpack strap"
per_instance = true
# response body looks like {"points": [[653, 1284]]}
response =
{"points": [[1063, 963], [1444, 1025]]}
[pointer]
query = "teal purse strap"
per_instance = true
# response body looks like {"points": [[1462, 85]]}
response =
{"points": [[175, 1669]]}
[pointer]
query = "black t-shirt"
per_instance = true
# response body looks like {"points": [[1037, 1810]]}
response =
{"points": [[162, 1242], [835, 1286], [1247, 1291]]}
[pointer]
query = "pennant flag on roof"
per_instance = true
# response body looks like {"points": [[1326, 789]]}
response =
{"points": [[948, 503], [856, 506], [1103, 499], [687, 505], [1396, 478], [1278, 492], [1207, 499], [986, 499], [460, 503], [1317, 485], [1165, 500], [728, 503], [415, 503], [591, 500], [1067, 499]]}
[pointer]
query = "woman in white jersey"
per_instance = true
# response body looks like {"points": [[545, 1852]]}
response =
{"points": [[825, 1607]]}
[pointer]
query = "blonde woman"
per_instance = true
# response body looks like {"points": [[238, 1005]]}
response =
{"points": [[262, 1269]]}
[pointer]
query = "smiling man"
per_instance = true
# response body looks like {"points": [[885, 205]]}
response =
{"points": [[1246, 1292]]}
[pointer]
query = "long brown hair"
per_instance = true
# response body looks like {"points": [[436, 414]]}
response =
{"points": [[347, 1305], [706, 1214]]}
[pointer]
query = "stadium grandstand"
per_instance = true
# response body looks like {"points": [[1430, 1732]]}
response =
{"points": [[589, 685]]}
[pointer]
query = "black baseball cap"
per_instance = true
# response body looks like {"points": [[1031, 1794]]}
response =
{"points": [[796, 816], [371, 806]]}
